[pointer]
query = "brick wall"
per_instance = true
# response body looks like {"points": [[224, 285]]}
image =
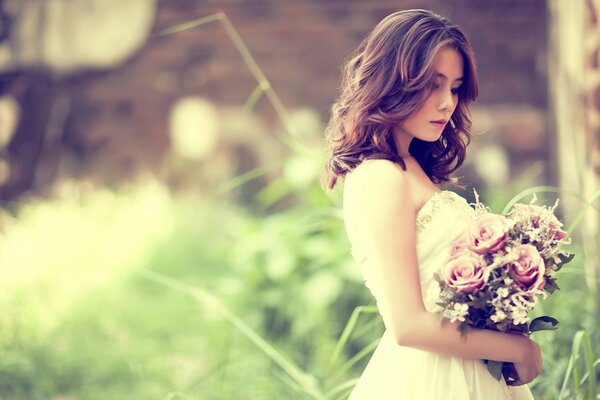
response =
{"points": [[117, 122], [300, 44]]}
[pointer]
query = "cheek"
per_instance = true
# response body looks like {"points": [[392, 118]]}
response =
{"points": [[422, 114], [412, 122], [455, 103], [430, 103]]}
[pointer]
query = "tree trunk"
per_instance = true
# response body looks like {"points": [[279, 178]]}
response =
{"points": [[574, 81]]}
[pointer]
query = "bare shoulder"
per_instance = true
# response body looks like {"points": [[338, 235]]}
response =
{"points": [[376, 193], [381, 170], [374, 176], [378, 208]]}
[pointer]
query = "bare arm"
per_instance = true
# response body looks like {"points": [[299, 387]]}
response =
{"points": [[378, 201]]}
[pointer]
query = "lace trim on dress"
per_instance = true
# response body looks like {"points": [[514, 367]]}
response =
{"points": [[436, 202]]}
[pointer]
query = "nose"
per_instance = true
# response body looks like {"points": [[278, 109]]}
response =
{"points": [[446, 101]]}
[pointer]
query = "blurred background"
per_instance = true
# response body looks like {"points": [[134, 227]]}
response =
{"points": [[163, 230]]}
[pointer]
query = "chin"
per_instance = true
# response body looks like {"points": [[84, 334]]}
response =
{"points": [[431, 139]]}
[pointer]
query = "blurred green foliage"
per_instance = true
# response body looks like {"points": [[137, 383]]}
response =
{"points": [[267, 304], [82, 320]]}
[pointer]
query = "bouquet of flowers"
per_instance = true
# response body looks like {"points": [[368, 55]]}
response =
{"points": [[499, 269]]}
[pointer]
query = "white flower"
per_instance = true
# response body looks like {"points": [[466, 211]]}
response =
{"points": [[502, 292], [498, 316], [520, 317], [521, 301], [508, 281], [459, 312]]}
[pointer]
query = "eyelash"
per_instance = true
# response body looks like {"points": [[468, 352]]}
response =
{"points": [[454, 91]]}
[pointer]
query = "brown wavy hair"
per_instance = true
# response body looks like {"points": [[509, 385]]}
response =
{"points": [[388, 78]]}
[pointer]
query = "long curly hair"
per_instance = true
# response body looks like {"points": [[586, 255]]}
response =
{"points": [[387, 79]]}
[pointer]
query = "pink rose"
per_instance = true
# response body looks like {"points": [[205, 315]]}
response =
{"points": [[461, 245], [488, 233], [554, 227], [465, 274], [528, 269]]}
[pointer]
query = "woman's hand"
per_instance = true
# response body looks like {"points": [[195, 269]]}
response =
{"points": [[529, 368]]}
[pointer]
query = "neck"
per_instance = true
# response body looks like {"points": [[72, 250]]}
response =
{"points": [[402, 141]]}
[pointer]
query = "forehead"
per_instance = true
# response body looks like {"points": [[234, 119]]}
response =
{"points": [[449, 63]]}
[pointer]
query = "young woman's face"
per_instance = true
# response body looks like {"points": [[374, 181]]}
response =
{"points": [[428, 122]]}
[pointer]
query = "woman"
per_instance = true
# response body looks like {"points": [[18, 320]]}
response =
{"points": [[398, 130]]}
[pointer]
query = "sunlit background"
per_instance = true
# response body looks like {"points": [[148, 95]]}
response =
{"points": [[163, 230]]}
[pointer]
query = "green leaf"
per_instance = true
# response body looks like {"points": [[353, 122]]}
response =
{"points": [[543, 323], [564, 259], [495, 368], [551, 286]]}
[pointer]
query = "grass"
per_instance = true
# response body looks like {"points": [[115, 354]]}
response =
{"points": [[142, 295]]}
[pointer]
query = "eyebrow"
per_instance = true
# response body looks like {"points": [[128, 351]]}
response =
{"points": [[440, 75]]}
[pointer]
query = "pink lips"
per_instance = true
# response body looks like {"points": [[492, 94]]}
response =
{"points": [[440, 123]]}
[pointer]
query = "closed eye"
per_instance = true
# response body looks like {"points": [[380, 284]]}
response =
{"points": [[454, 90]]}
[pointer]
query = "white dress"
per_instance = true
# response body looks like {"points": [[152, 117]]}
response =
{"points": [[404, 373]]}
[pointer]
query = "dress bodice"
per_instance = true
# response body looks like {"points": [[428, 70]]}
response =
{"points": [[403, 372], [439, 223]]}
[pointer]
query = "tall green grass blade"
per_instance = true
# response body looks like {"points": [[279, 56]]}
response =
{"points": [[248, 58], [306, 381], [289, 382], [253, 98], [368, 327], [348, 331], [224, 362], [527, 192], [273, 192], [248, 176], [220, 366], [549, 189], [591, 372], [258, 74], [189, 25], [577, 376], [582, 212], [589, 366], [568, 372], [357, 357], [344, 396], [581, 339], [342, 387]]}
